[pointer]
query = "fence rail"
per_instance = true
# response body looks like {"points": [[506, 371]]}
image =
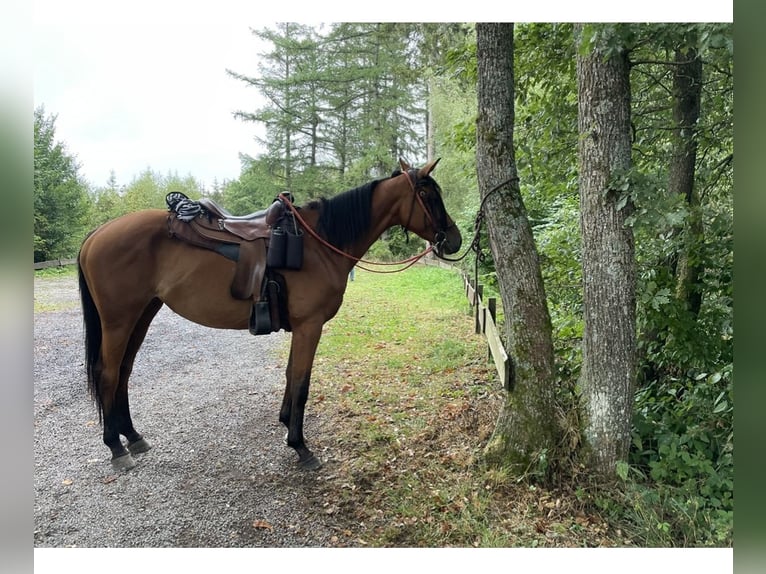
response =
{"points": [[485, 317], [54, 263]]}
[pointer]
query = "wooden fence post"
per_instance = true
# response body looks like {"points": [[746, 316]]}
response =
{"points": [[479, 308], [484, 322], [492, 309]]}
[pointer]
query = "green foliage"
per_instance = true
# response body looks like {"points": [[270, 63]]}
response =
{"points": [[61, 203], [683, 426], [608, 39], [453, 110], [683, 436], [676, 491], [343, 100], [255, 188], [146, 191]]}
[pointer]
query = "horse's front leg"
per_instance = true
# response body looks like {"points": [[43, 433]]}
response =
{"points": [[302, 351], [284, 412]]}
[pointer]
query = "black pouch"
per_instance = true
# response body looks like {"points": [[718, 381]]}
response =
{"points": [[277, 248], [294, 255]]}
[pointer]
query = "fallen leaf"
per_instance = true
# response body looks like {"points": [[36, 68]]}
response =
{"points": [[262, 525]]}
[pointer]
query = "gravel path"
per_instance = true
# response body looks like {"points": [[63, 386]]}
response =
{"points": [[219, 474]]}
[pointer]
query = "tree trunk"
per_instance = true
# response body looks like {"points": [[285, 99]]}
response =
{"points": [[608, 259], [526, 430], [429, 123], [687, 91]]}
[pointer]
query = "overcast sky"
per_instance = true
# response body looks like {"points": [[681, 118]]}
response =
{"points": [[143, 84]]}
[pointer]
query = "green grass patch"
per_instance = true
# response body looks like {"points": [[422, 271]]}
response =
{"points": [[56, 272], [52, 289], [407, 399]]}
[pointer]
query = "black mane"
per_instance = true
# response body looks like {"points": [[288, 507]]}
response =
{"points": [[346, 217]]}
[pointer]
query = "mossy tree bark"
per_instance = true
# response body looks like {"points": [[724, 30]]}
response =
{"points": [[608, 255], [526, 430], [687, 93]]}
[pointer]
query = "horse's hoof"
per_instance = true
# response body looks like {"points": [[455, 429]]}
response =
{"points": [[123, 463], [312, 463], [141, 445]]}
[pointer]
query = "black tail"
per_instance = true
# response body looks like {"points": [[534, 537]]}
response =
{"points": [[92, 324]]}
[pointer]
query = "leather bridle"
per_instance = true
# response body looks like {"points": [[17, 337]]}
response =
{"points": [[440, 236]]}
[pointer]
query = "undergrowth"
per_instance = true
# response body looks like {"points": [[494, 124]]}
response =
{"points": [[407, 399]]}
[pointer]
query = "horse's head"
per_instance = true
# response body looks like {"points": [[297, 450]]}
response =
{"points": [[427, 216]]}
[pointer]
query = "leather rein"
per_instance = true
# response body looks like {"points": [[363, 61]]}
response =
{"points": [[411, 179]]}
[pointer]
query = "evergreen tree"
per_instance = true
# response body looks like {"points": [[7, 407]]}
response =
{"points": [[343, 105], [61, 201]]}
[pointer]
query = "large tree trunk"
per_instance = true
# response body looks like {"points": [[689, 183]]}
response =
{"points": [[526, 427], [687, 91], [608, 259]]}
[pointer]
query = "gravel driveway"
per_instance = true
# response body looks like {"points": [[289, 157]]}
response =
{"points": [[219, 474]]}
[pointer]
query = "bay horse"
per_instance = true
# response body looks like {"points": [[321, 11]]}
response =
{"points": [[130, 267]]}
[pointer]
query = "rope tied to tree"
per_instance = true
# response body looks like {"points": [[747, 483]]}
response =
{"points": [[475, 244]]}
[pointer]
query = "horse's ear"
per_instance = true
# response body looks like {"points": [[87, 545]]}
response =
{"points": [[404, 165], [428, 168]]}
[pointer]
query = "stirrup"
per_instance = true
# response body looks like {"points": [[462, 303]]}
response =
{"points": [[260, 318]]}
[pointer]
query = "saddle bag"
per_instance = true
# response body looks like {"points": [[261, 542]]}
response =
{"points": [[285, 249]]}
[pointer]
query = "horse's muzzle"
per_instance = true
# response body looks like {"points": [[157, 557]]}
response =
{"points": [[449, 242]]}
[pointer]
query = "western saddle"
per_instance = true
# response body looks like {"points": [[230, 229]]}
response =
{"points": [[259, 243]]}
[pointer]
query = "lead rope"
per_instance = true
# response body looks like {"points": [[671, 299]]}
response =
{"points": [[475, 242]]}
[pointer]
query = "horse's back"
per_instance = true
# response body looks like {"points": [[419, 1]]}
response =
{"points": [[113, 236], [133, 259]]}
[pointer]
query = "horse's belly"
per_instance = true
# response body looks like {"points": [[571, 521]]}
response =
{"points": [[196, 285], [219, 315]]}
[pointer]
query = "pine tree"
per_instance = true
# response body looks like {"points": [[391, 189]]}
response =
{"points": [[61, 201]]}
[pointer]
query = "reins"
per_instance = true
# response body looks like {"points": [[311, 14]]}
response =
{"points": [[475, 244], [410, 261]]}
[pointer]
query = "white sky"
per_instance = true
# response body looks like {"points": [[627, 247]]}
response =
{"points": [[143, 84]]}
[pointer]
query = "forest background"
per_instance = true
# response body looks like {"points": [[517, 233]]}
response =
{"points": [[344, 101]]}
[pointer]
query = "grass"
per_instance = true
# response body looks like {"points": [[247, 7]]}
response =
{"points": [[56, 272], [45, 299], [406, 400]]}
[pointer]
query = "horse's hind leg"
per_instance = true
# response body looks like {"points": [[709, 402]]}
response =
{"points": [[117, 419], [136, 442]]}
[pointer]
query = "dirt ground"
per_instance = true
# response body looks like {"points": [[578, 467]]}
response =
{"points": [[219, 475]]}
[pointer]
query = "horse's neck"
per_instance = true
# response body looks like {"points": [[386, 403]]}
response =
{"points": [[385, 213]]}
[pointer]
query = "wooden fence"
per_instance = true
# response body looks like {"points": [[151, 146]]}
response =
{"points": [[54, 263], [485, 317]]}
